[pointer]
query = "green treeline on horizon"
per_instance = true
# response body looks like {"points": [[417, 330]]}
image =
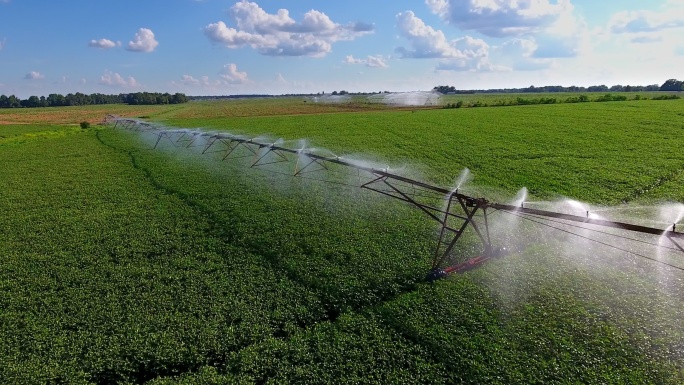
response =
{"points": [[151, 98], [79, 99], [669, 85]]}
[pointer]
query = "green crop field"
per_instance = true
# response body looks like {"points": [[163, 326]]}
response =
{"points": [[123, 264]]}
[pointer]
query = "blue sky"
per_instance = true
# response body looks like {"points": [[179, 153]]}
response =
{"points": [[216, 47]]}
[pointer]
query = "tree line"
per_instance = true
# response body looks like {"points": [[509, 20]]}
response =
{"points": [[79, 99], [669, 85]]}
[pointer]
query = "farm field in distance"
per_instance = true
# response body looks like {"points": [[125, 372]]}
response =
{"points": [[123, 264]]}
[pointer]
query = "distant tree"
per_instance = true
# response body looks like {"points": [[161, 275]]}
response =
{"points": [[601, 88], [56, 100], [13, 102], [672, 85], [77, 99], [33, 101], [179, 98], [80, 99]]}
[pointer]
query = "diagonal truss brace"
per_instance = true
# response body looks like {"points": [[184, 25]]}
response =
{"points": [[460, 212]]}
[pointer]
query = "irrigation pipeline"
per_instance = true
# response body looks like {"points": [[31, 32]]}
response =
{"points": [[459, 214]]}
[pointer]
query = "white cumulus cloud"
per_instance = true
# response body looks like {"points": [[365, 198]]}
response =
{"points": [[465, 53], [468, 53], [499, 18], [370, 61], [110, 78], [103, 43], [203, 81], [520, 54], [645, 21], [228, 77], [188, 80], [658, 30], [34, 75], [143, 41], [279, 34], [231, 75]]}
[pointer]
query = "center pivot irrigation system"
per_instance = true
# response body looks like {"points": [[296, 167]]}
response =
{"points": [[455, 212]]}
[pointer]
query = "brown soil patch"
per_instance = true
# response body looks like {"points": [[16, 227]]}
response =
{"points": [[73, 115]]}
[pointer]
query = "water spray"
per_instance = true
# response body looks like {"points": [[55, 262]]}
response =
{"points": [[461, 212]]}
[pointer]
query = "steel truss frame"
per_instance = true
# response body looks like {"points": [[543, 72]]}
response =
{"points": [[460, 212]]}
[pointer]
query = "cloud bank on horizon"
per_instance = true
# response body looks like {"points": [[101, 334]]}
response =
{"points": [[232, 47]]}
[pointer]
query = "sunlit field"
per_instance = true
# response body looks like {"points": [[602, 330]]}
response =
{"points": [[128, 264]]}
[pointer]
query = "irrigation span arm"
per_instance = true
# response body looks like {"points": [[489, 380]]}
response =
{"points": [[343, 162], [591, 221], [459, 214], [497, 206]]}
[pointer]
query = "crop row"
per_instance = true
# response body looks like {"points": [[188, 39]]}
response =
{"points": [[122, 264]]}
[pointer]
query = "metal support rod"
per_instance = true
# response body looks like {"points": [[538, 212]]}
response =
{"points": [[446, 253], [441, 232], [213, 140], [480, 204], [420, 206], [299, 171], [230, 149], [158, 139], [260, 158], [488, 244]]}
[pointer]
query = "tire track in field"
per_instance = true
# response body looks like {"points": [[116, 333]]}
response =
{"points": [[221, 229]]}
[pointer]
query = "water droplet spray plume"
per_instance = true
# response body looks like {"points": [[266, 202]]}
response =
{"points": [[671, 214], [463, 178], [520, 197]]}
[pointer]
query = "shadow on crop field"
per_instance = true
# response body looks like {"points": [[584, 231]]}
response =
{"points": [[250, 228]]}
